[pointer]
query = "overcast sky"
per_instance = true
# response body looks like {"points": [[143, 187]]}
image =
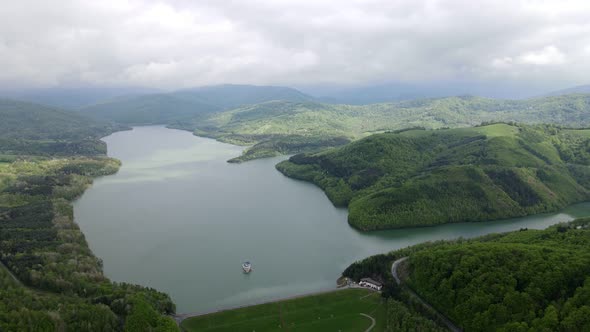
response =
{"points": [[175, 44]]}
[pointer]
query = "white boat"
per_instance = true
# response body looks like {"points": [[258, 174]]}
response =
{"points": [[247, 267]]}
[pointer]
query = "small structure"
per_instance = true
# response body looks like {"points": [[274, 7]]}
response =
{"points": [[247, 267], [370, 283], [342, 282]]}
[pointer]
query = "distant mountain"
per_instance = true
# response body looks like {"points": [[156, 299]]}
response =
{"points": [[576, 89], [398, 91], [148, 109], [231, 95], [384, 93], [24, 120], [186, 104], [72, 98]]}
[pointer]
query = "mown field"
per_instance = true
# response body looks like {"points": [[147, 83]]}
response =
{"points": [[335, 311]]}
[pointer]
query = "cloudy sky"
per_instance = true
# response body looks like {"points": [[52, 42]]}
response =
{"points": [[174, 44]]}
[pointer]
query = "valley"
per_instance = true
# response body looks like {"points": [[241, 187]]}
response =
{"points": [[176, 194], [372, 166]]}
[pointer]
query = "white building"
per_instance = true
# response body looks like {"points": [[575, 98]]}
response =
{"points": [[370, 283]]}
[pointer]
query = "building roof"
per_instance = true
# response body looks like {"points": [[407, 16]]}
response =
{"points": [[371, 281]]}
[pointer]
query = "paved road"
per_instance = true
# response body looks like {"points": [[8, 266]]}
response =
{"points": [[394, 269], [443, 318], [372, 322]]}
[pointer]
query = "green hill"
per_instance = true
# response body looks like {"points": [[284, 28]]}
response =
{"points": [[23, 120], [33, 129], [183, 105], [527, 280], [272, 121], [421, 177]]}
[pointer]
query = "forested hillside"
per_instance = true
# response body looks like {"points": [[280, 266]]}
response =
{"points": [[27, 128], [527, 280], [312, 121], [423, 177], [49, 278]]}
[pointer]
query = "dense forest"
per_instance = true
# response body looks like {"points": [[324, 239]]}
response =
{"points": [[527, 280], [423, 177], [31, 129], [402, 317], [271, 120], [49, 278]]}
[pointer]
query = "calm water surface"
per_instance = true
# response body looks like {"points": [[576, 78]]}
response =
{"points": [[180, 219]]}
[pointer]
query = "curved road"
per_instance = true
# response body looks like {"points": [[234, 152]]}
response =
{"points": [[394, 269], [442, 317], [372, 322]]}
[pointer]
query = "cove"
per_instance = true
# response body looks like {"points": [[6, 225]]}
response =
{"points": [[179, 218]]}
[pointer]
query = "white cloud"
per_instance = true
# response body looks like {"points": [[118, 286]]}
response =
{"points": [[181, 43], [549, 55]]}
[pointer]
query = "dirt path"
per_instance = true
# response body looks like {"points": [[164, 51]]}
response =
{"points": [[18, 282], [372, 322], [365, 296]]}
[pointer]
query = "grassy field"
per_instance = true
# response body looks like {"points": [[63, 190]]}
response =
{"points": [[335, 311]]}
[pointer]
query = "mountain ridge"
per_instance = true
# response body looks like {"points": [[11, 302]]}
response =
{"points": [[264, 124], [164, 108]]}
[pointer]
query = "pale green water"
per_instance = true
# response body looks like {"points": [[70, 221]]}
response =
{"points": [[178, 218]]}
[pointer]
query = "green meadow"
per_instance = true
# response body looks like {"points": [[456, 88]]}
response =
{"points": [[334, 311]]}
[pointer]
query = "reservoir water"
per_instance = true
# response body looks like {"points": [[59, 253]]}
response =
{"points": [[179, 218]]}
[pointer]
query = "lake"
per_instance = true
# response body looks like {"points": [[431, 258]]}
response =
{"points": [[179, 218]]}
